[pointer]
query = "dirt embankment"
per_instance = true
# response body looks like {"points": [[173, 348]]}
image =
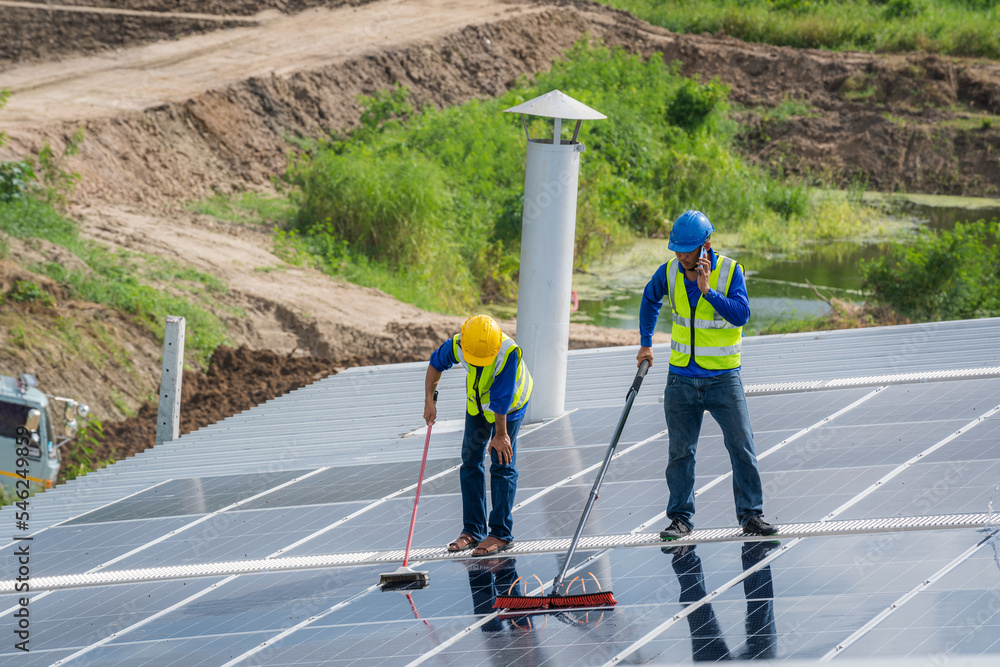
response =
{"points": [[50, 31], [236, 380], [74, 348], [222, 7], [903, 122]]}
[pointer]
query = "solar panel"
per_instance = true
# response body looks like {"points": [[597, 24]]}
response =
{"points": [[71, 549], [187, 496], [343, 484]]}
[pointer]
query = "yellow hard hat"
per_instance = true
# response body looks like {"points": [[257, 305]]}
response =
{"points": [[480, 340]]}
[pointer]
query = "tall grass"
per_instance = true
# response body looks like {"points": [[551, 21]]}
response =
{"points": [[427, 204], [955, 27], [250, 208]]}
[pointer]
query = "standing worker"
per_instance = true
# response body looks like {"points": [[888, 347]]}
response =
{"points": [[497, 386], [709, 308]]}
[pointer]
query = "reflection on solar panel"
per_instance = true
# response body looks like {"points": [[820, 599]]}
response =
{"points": [[259, 540]]}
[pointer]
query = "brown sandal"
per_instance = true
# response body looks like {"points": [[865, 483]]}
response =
{"points": [[464, 541], [491, 545]]}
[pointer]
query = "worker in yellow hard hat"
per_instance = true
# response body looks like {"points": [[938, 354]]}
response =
{"points": [[497, 387]]}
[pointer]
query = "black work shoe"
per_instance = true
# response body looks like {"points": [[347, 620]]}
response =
{"points": [[678, 551], [757, 550], [756, 525], [677, 530]]}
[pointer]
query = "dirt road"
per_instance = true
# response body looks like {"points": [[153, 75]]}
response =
{"points": [[82, 88]]}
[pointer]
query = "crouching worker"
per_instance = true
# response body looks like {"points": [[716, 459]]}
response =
{"points": [[497, 387]]}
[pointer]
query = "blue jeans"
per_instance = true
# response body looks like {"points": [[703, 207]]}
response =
{"points": [[685, 401], [496, 578], [708, 642], [503, 480]]}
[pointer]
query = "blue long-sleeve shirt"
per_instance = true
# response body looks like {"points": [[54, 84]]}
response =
{"points": [[734, 307], [502, 390]]}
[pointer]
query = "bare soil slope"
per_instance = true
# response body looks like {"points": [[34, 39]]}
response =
{"points": [[181, 119], [59, 29]]}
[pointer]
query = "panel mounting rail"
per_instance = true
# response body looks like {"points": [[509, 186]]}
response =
{"points": [[294, 563]]}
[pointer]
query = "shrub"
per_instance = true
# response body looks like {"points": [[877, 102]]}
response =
{"points": [[25, 291], [385, 106], [56, 180], [895, 9], [16, 180], [941, 276], [787, 201], [383, 206], [693, 103]]}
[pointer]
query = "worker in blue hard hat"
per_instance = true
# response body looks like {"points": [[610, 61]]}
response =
{"points": [[708, 300], [498, 387]]}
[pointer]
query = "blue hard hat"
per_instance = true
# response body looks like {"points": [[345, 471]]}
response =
{"points": [[689, 231]]}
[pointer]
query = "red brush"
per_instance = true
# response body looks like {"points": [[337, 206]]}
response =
{"points": [[602, 599], [530, 603], [557, 599], [554, 600]]}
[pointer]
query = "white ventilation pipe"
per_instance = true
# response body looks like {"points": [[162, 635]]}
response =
{"points": [[548, 230]]}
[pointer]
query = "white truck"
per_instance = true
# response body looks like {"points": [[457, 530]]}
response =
{"points": [[22, 403]]}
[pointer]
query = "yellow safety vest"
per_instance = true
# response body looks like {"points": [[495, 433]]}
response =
{"points": [[703, 332], [479, 379]]}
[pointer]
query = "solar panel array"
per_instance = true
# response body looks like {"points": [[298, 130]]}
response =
{"points": [[326, 474]]}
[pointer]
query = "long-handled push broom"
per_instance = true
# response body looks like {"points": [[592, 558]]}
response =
{"points": [[404, 577], [558, 598]]}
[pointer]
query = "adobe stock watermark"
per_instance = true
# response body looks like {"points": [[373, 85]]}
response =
{"points": [[551, 192], [23, 541]]}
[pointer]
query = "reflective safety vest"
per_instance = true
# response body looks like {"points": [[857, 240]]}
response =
{"points": [[479, 379], [702, 332]]}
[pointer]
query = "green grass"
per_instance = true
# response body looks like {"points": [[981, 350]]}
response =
{"points": [[81, 459], [790, 108], [858, 87], [973, 122], [131, 283], [426, 205], [955, 27], [248, 208]]}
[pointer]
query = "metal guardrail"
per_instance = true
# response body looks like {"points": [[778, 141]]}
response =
{"points": [[872, 380]]}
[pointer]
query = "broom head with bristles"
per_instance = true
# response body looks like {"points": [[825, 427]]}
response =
{"points": [[404, 579], [545, 602]]}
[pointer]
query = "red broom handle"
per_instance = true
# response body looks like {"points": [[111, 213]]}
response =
{"points": [[416, 499]]}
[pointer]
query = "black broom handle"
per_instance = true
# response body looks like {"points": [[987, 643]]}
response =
{"points": [[633, 390]]}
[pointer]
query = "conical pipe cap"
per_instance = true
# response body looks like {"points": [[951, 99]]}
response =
{"points": [[557, 104]]}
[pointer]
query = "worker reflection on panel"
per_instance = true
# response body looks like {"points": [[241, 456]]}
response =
{"points": [[707, 640], [487, 578], [519, 644]]}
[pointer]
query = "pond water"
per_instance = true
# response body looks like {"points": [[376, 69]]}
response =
{"points": [[609, 293]]}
